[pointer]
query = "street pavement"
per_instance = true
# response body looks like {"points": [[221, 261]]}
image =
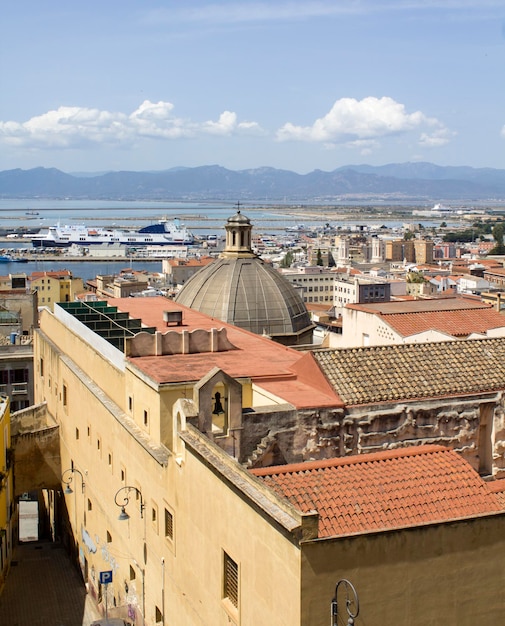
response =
{"points": [[43, 588]]}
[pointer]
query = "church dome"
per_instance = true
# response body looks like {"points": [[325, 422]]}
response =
{"points": [[241, 289]]}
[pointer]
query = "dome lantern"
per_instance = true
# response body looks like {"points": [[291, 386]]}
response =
{"points": [[238, 236]]}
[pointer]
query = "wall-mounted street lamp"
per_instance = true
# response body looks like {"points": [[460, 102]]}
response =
{"points": [[67, 481], [126, 498], [67, 478], [351, 603]]}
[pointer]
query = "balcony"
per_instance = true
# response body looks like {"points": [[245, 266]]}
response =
{"points": [[18, 388]]}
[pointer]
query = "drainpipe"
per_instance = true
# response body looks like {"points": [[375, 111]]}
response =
{"points": [[163, 591]]}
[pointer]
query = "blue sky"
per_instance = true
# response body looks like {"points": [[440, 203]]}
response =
{"points": [[296, 85]]}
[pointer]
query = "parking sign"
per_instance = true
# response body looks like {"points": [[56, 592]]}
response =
{"points": [[106, 577]]}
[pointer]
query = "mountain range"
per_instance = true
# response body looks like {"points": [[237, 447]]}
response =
{"points": [[419, 181]]}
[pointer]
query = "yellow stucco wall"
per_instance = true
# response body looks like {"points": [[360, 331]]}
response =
{"points": [[6, 490], [6, 483], [442, 574], [214, 518], [88, 360], [106, 442], [51, 289]]}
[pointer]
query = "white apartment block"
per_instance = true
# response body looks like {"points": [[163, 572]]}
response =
{"points": [[319, 285], [315, 283]]}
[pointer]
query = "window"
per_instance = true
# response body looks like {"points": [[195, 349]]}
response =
{"points": [[154, 517], [77, 433], [90, 506], [169, 525], [132, 573], [65, 398], [130, 403], [109, 537], [19, 376], [41, 366], [158, 615], [230, 580], [145, 418]]}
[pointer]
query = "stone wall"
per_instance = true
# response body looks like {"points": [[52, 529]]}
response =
{"points": [[35, 439], [473, 426]]}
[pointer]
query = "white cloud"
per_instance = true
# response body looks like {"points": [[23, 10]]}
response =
{"points": [[244, 12], [227, 124], [153, 111], [236, 12], [437, 138], [70, 127], [350, 121]]}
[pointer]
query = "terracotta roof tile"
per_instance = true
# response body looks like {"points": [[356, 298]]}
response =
{"points": [[289, 374], [385, 490], [421, 306], [50, 274], [415, 371], [457, 323]]}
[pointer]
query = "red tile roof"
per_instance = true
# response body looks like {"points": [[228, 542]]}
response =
{"points": [[384, 490], [293, 376], [414, 371], [435, 304], [456, 323], [458, 317], [50, 274], [496, 270]]}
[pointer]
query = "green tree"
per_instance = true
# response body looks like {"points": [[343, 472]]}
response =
{"points": [[415, 277], [319, 257], [288, 259], [498, 233]]}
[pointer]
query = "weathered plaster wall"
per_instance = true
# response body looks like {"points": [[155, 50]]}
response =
{"points": [[35, 440], [474, 427], [37, 463]]}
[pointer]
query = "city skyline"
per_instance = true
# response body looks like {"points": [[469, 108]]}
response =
{"points": [[291, 85]]}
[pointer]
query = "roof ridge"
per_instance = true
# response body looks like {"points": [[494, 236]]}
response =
{"points": [[445, 311], [411, 346]]}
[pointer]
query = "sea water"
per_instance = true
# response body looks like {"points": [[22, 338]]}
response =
{"points": [[203, 218]]}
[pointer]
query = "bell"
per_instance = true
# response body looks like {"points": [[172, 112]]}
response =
{"points": [[218, 407]]}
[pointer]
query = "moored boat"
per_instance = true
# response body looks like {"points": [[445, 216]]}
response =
{"points": [[164, 233]]}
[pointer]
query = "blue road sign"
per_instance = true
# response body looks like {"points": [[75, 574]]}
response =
{"points": [[106, 577]]}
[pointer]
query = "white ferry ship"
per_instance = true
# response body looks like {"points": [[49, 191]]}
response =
{"points": [[164, 233]]}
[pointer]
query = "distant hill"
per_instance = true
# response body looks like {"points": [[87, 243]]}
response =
{"points": [[423, 182]]}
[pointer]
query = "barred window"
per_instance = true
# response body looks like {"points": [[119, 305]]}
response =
{"points": [[230, 590]]}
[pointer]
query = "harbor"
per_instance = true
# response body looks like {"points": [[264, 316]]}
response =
{"points": [[105, 237]]}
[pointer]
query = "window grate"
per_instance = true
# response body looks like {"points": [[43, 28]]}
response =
{"points": [[231, 580], [169, 525]]}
